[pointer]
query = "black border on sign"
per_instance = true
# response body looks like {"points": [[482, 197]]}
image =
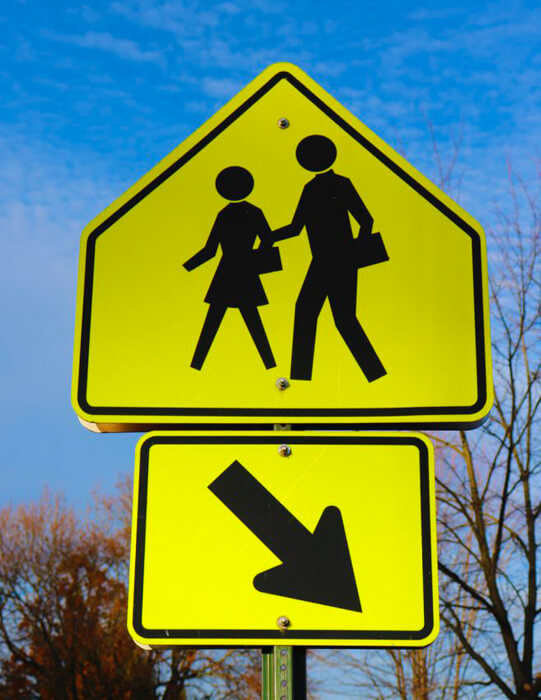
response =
{"points": [[346, 413], [220, 634]]}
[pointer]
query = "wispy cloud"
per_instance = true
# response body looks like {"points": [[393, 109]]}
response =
{"points": [[220, 87], [471, 68], [48, 195], [330, 68], [225, 36], [483, 34], [104, 41], [423, 13], [182, 20]]}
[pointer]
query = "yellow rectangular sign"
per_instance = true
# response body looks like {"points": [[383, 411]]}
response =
{"points": [[281, 538], [283, 265]]}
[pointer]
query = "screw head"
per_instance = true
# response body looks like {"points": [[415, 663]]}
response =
{"points": [[283, 123], [283, 622], [282, 383], [284, 450]]}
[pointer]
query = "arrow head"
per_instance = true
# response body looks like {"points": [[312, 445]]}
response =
{"points": [[321, 570]]}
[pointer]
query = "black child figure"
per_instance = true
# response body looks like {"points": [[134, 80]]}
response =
{"points": [[236, 283], [323, 209]]}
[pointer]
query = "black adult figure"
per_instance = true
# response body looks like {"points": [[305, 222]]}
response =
{"points": [[323, 209], [236, 282]]}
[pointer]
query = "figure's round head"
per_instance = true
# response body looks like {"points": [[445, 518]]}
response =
{"points": [[234, 183], [316, 153]]}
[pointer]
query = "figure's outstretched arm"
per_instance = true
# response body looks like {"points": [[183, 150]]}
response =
{"points": [[208, 251], [358, 208], [295, 227]]}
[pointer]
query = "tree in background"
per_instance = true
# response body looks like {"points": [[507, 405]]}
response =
{"points": [[181, 674], [489, 488], [63, 597], [438, 672]]}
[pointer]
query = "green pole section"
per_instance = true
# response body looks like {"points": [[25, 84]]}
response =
{"points": [[283, 673]]}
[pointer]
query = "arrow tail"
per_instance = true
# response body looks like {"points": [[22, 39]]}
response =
{"points": [[263, 514]]}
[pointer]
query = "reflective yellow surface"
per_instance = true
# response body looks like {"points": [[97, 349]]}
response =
{"points": [[145, 312], [199, 559]]}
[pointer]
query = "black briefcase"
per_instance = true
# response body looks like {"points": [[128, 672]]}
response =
{"points": [[267, 260], [370, 250]]}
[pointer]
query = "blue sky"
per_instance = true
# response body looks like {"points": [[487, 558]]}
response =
{"points": [[93, 95]]}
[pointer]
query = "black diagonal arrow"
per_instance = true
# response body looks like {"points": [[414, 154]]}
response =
{"points": [[315, 567]]}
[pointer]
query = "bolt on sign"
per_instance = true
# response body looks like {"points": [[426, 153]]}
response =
{"points": [[283, 265], [330, 542]]}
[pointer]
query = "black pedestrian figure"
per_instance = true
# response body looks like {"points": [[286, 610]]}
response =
{"points": [[324, 209], [236, 283]]}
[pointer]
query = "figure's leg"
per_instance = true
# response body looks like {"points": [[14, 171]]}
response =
{"points": [[212, 322], [253, 321], [343, 300], [307, 310]]}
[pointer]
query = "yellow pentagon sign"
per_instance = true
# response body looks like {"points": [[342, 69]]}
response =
{"points": [[283, 265], [234, 543]]}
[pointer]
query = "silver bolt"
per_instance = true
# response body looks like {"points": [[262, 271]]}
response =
{"points": [[283, 123], [283, 622], [282, 383], [284, 450]]}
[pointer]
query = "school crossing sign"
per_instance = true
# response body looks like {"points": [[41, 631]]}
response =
{"points": [[283, 265]]}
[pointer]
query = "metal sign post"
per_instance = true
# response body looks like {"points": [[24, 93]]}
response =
{"points": [[283, 673], [283, 669]]}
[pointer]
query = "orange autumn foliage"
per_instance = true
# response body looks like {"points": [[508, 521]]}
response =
{"points": [[63, 598]]}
